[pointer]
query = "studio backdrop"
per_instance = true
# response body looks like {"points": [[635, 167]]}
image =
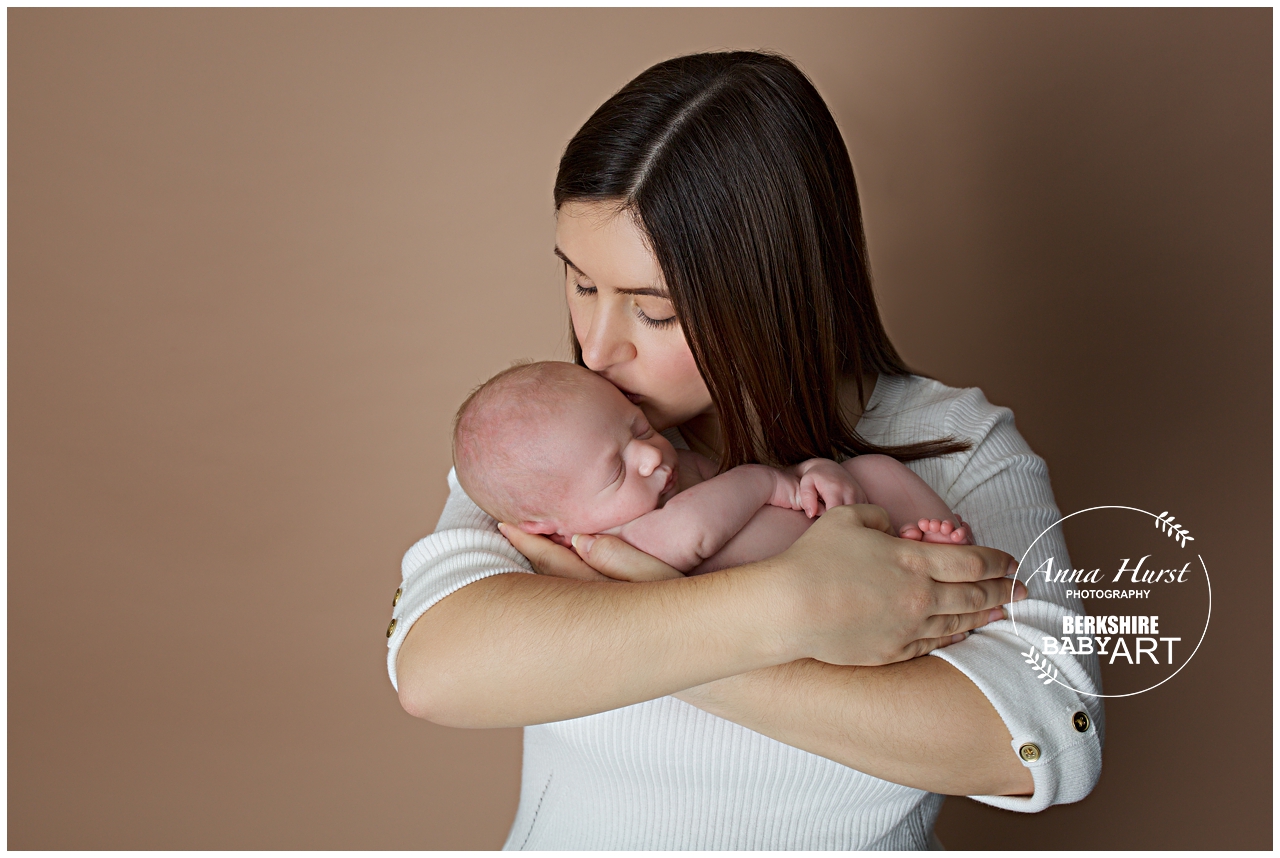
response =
{"points": [[258, 257]]}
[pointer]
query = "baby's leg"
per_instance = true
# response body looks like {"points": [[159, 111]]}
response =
{"points": [[915, 510]]}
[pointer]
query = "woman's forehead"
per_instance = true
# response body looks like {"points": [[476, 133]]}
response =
{"points": [[607, 246]]}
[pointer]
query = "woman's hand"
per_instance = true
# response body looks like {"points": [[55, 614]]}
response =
{"points": [[611, 559], [857, 595], [849, 592]]}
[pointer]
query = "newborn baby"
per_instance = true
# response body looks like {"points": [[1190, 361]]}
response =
{"points": [[554, 449]]}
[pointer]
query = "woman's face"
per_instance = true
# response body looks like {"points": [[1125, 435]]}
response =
{"points": [[622, 314]]}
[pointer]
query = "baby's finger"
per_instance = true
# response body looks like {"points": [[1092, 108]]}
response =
{"points": [[809, 498]]}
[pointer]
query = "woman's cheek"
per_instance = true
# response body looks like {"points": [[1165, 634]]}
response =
{"points": [[577, 317], [681, 375]]}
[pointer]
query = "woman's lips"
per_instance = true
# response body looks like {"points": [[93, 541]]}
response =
{"points": [[634, 397]]}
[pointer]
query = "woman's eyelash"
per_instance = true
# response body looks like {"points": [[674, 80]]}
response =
{"points": [[655, 323], [584, 291]]}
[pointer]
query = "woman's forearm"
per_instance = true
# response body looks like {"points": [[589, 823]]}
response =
{"points": [[920, 723], [515, 649]]}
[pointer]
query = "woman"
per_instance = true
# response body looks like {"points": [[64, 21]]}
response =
{"points": [[716, 272]]}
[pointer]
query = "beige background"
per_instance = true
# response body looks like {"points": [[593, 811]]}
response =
{"points": [[256, 258]]}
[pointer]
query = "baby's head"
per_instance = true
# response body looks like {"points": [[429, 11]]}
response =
{"points": [[555, 449]]}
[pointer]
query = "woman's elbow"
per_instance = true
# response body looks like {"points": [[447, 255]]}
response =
{"points": [[429, 695], [415, 699], [426, 686]]}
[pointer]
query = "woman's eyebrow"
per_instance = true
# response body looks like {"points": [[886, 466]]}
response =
{"points": [[652, 291], [568, 261]]}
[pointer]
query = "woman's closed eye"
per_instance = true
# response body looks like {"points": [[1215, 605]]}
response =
{"points": [[654, 323], [645, 319]]}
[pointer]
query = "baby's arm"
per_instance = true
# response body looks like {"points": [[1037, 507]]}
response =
{"points": [[915, 510], [696, 523]]}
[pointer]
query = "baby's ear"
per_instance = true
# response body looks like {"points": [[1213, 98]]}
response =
{"points": [[547, 529], [542, 528]]}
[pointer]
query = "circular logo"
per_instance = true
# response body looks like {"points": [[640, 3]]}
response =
{"points": [[1138, 597]]}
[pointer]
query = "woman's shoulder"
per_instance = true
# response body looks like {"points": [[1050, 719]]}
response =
{"points": [[462, 526], [906, 409]]}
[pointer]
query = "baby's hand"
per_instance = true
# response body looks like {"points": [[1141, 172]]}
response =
{"points": [[824, 484], [786, 488]]}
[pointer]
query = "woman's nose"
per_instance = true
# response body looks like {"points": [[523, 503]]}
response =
{"points": [[605, 343]]}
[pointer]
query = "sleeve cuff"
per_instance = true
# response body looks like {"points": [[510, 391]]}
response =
{"points": [[1045, 721]]}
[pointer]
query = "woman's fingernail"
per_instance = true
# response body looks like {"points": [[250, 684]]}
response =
{"points": [[956, 638], [582, 542], [1012, 570], [996, 614], [1019, 591], [502, 528]]}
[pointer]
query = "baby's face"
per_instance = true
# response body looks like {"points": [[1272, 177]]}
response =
{"points": [[615, 467]]}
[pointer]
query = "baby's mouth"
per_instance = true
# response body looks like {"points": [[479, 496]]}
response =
{"points": [[671, 481]]}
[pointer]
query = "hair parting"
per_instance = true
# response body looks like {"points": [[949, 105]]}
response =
{"points": [[739, 179]]}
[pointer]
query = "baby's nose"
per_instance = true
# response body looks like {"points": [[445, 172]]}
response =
{"points": [[650, 460]]}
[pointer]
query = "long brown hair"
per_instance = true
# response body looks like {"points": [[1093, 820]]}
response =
{"points": [[737, 174]]}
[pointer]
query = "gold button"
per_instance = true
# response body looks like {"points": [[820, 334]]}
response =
{"points": [[1029, 752], [395, 600], [391, 628], [1081, 722]]}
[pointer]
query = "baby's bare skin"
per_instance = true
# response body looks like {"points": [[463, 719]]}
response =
{"points": [[601, 468], [697, 516]]}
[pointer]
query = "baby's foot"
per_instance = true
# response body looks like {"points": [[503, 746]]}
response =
{"points": [[933, 530]]}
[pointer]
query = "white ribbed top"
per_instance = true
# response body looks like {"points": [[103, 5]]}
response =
{"points": [[666, 775]]}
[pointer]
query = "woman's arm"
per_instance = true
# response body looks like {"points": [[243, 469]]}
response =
{"points": [[513, 650], [920, 723], [518, 649]]}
